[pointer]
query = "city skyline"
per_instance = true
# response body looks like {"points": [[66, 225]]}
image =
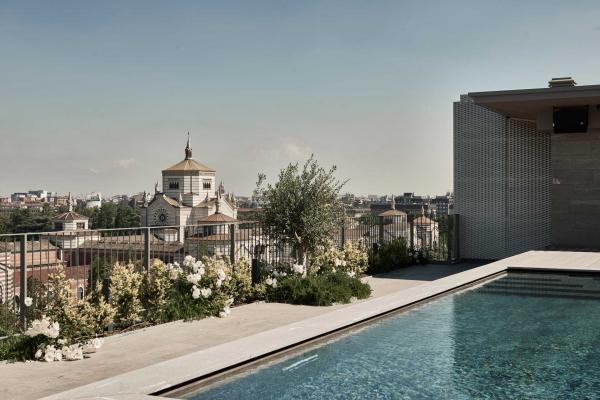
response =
{"points": [[99, 97]]}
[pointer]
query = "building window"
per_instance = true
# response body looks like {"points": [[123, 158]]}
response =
{"points": [[173, 184], [81, 225], [58, 226], [80, 293], [206, 184]]}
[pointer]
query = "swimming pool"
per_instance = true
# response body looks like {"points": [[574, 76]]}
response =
{"points": [[524, 335]]}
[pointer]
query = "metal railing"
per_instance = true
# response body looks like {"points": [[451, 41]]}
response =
{"points": [[29, 258]]}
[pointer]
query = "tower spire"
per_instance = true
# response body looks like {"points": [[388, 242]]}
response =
{"points": [[188, 148], [70, 202], [393, 202]]}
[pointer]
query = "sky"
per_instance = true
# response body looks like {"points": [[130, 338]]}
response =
{"points": [[100, 95]]}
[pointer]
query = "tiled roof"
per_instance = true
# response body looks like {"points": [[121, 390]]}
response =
{"points": [[217, 218], [423, 221], [189, 165], [70, 216], [392, 213]]}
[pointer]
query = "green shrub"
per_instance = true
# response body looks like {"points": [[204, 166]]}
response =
{"points": [[125, 283], [9, 320], [318, 290], [390, 256]]}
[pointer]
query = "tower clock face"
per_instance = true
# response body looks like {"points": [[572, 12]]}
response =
{"points": [[161, 216]]}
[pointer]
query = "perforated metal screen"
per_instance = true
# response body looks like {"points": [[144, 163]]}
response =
{"points": [[502, 183]]}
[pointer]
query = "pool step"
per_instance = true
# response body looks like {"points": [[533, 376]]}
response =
{"points": [[565, 286]]}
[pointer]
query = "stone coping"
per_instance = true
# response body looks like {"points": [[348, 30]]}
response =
{"points": [[171, 373]]}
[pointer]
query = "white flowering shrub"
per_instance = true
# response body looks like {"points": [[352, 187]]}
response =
{"points": [[353, 259], [44, 341], [156, 285], [125, 284], [200, 288]]}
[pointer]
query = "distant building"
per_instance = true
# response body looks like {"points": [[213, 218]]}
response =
{"points": [[189, 196], [94, 200]]}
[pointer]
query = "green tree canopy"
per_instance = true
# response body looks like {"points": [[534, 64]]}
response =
{"points": [[302, 208]]}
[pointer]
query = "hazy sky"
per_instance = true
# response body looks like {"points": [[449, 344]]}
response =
{"points": [[99, 95]]}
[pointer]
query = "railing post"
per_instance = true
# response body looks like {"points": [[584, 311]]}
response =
{"points": [[255, 271], [107, 298], [453, 242], [23, 281], [232, 245], [343, 233], [147, 248], [411, 227], [381, 230]]}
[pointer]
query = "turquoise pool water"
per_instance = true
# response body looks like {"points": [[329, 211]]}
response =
{"points": [[523, 336]]}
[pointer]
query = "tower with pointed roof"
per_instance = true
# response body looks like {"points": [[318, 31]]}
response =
{"points": [[189, 195]]}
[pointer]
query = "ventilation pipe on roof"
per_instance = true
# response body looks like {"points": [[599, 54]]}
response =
{"points": [[560, 82]]}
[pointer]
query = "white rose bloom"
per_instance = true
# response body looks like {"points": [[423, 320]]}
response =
{"points": [[274, 283], [269, 281], [226, 311], [58, 356], [351, 274], [62, 341], [97, 343], [28, 301], [53, 331], [173, 274], [39, 353], [219, 283], [201, 271], [298, 268], [193, 278], [206, 292], [221, 274], [188, 260], [195, 292], [337, 262], [344, 263], [49, 355]]}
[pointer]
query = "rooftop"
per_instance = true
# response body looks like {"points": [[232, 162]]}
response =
{"points": [[527, 103]]}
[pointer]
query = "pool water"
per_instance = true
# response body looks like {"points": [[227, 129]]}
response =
{"points": [[522, 336]]}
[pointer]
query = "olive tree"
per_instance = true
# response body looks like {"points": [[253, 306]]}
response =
{"points": [[302, 208]]}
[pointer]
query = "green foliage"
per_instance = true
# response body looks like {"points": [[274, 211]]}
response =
{"points": [[24, 220], [125, 284], [111, 215], [318, 290], [78, 319], [18, 348], [240, 286], [302, 208], [9, 320], [392, 255], [154, 293]]}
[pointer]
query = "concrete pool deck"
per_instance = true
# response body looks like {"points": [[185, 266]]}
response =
{"points": [[161, 357], [141, 348]]}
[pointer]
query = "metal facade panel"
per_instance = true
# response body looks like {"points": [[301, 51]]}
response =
{"points": [[501, 183]]}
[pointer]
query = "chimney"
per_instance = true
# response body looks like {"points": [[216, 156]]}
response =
{"points": [[561, 82]]}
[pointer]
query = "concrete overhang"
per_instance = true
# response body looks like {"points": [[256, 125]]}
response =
{"points": [[528, 103]]}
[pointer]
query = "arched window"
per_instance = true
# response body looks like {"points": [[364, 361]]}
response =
{"points": [[80, 293]]}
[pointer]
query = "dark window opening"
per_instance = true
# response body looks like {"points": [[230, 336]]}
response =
{"points": [[173, 184], [81, 225], [206, 184], [570, 119]]}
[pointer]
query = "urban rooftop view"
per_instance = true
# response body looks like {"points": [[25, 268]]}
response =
{"points": [[309, 200]]}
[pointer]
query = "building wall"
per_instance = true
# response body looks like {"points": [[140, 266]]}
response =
{"points": [[576, 190], [501, 183]]}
